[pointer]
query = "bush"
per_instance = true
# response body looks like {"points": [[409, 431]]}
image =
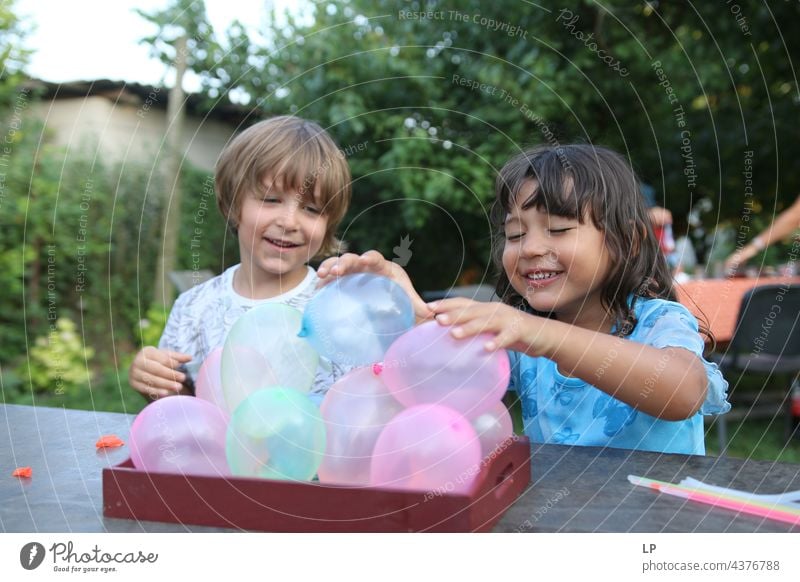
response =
{"points": [[58, 361]]}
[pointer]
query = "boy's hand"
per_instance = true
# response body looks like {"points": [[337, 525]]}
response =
{"points": [[373, 262], [512, 329], [154, 373]]}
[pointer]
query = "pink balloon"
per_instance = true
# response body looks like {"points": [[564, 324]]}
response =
{"points": [[428, 365], [427, 448], [180, 434], [494, 428], [356, 409], [209, 379], [244, 371]]}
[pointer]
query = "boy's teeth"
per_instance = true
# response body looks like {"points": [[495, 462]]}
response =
{"points": [[281, 243]]}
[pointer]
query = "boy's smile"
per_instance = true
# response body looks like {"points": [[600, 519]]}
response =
{"points": [[279, 232]]}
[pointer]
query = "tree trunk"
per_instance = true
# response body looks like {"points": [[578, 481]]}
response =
{"points": [[163, 292]]}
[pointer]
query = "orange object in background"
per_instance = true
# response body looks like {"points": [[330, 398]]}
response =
{"points": [[717, 301], [22, 472], [109, 441]]}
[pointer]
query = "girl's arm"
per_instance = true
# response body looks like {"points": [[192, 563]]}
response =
{"points": [[668, 383]]}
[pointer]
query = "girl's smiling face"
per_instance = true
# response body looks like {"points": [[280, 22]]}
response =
{"points": [[558, 264]]}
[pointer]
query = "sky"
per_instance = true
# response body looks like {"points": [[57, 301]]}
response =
{"points": [[98, 39]]}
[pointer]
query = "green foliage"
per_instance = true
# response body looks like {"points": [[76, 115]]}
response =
{"points": [[442, 100], [78, 241], [59, 361], [13, 57], [180, 17], [152, 326]]}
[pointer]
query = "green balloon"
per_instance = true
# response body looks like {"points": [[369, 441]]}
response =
{"points": [[276, 433]]}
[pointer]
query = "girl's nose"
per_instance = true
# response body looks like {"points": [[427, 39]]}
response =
{"points": [[536, 244]]}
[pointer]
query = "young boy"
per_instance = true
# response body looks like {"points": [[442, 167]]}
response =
{"points": [[283, 186]]}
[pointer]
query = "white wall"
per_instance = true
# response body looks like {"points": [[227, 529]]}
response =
{"points": [[127, 131]]}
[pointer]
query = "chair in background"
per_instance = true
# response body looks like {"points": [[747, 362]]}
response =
{"points": [[766, 341]]}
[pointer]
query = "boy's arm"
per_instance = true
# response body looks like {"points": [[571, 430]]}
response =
{"points": [[373, 262]]}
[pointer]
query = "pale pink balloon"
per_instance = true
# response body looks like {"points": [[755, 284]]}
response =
{"points": [[244, 371], [427, 448], [355, 410], [208, 385], [180, 434], [494, 428], [427, 365]]}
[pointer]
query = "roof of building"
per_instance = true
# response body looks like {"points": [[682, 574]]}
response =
{"points": [[197, 104]]}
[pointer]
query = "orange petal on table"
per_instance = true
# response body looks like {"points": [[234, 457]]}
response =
{"points": [[22, 472], [109, 440]]}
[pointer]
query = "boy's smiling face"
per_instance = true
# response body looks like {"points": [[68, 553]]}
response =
{"points": [[557, 264], [279, 232]]}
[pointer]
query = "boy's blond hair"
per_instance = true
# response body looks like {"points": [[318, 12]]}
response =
{"points": [[299, 153]]}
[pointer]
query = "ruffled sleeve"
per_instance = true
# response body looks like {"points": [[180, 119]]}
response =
{"points": [[669, 324]]}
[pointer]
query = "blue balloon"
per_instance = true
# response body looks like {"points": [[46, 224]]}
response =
{"points": [[276, 433], [355, 319]]}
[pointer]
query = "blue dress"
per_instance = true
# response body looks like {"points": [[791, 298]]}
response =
{"points": [[561, 410]]}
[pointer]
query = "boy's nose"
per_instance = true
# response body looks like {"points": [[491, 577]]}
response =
{"points": [[288, 219]]}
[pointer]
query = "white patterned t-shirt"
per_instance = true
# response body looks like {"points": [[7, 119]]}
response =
{"points": [[202, 317]]}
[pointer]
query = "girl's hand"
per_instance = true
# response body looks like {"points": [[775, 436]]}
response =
{"points": [[512, 329], [373, 262]]}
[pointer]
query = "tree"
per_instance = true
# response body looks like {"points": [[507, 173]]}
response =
{"points": [[182, 41], [13, 57], [441, 94]]}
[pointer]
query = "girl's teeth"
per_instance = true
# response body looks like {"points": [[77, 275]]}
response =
{"points": [[540, 276]]}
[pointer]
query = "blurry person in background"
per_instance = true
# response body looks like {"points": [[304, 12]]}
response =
{"points": [[683, 260], [660, 218], [783, 226]]}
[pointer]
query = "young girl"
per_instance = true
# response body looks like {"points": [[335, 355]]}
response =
{"points": [[602, 355]]}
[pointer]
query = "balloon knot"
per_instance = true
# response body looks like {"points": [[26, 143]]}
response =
{"points": [[377, 369]]}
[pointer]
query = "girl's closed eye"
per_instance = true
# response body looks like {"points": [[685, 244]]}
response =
{"points": [[560, 230], [312, 209], [514, 236]]}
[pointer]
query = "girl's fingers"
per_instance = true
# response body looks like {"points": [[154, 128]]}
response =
{"points": [[472, 327], [336, 267], [373, 258], [325, 267]]}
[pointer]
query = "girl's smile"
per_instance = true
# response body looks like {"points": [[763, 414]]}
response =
{"points": [[538, 278]]}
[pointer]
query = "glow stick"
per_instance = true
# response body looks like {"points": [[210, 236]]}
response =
{"points": [[759, 509]]}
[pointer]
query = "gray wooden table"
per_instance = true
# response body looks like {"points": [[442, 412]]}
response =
{"points": [[573, 488]]}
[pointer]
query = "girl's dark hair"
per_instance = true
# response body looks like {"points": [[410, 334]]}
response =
{"points": [[583, 180]]}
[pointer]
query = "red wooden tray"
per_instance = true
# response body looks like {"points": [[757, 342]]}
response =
{"points": [[290, 506]]}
